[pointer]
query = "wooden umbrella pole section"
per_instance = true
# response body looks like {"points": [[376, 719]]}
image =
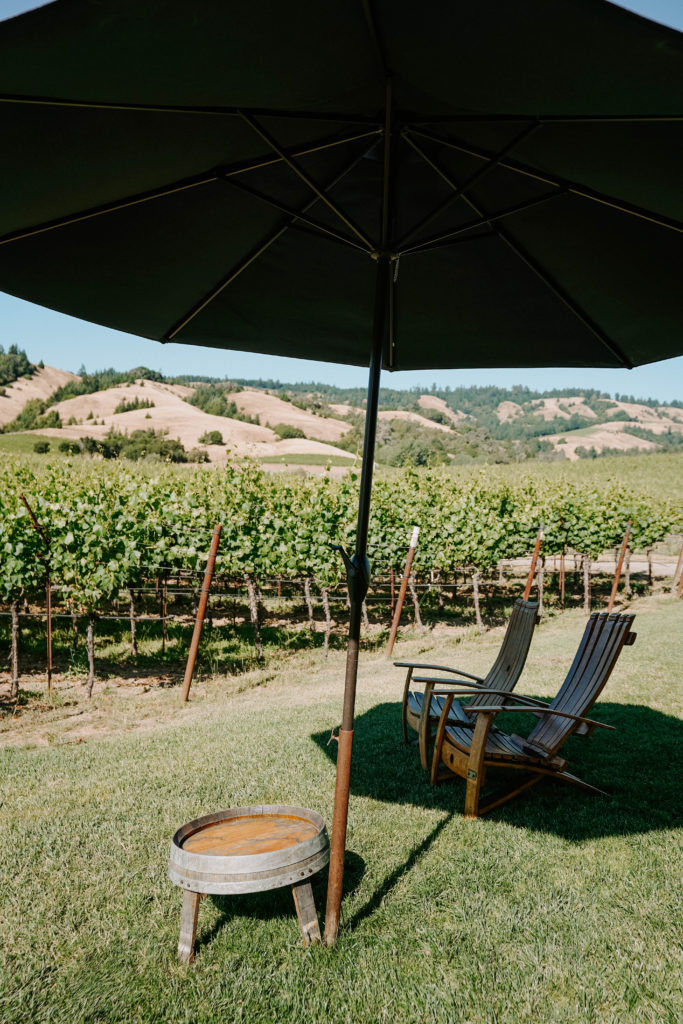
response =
{"points": [[48, 588], [620, 564], [402, 591], [532, 567], [357, 575], [201, 611]]}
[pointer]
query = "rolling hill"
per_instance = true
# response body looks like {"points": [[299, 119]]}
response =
{"points": [[316, 423]]}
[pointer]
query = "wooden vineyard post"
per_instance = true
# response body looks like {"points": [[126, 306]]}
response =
{"points": [[48, 589], [620, 563], [532, 567], [587, 584], [541, 584], [164, 610], [477, 609], [562, 581], [402, 591], [416, 602], [309, 603], [678, 575], [14, 682], [201, 611]]}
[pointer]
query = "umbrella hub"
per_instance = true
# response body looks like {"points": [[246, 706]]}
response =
{"points": [[357, 574]]}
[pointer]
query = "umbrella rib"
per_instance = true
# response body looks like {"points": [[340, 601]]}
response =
{"points": [[374, 36], [548, 118], [459, 190], [440, 241], [317, 115], [571, 186], [182, 185], [296, 214], [557, 290], [308, 181], [536, 267], [254, 255], [387, 217], [158, 108]]}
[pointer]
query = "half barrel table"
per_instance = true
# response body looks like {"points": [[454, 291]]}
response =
{"points": [[248, 849]]}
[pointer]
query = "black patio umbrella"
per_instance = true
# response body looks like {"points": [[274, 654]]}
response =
{"points": [[443, 184]]}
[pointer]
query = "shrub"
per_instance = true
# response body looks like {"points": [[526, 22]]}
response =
{"points": [[213, 399], [14, 364], [137, 403], [197, 455], [70, 447], [211, 437], [41, 447], [285, 431], [32, 417]]}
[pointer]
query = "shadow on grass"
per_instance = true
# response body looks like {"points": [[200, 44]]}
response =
{"points": [[8, 705], [639, 766], [278, 903]]}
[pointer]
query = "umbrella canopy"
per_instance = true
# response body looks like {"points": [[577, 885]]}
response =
{"points": [[442, 185], [213, 174]]}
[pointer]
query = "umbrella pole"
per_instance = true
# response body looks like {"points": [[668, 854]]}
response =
{"points": [[358, 576]]}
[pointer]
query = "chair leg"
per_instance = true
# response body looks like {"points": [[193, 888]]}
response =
{"points": [[574, 780], [475, 765], [188, 926], [306, 912], [404, 709], [502, 797], [425, 729], [436, 774]]}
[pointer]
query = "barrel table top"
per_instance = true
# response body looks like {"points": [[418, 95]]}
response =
{"points": [[249, 834], [248, 849]]}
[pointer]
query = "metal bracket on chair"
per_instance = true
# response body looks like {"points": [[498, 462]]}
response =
{"points": [[357, 574]]}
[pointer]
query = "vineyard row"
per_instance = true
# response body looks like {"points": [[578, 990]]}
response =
{"points": [[92, 532]]}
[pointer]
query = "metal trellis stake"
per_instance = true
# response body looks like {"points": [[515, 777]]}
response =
{"points": [[402, 591], [532, 567], [617, 574], [201, 611]]}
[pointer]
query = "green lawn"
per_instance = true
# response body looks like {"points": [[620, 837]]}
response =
{"points": [[308, 459], [23, 444], [560, 907]]}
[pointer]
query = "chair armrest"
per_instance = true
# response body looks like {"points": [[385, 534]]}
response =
{"points": [[476, 687], [533, 702], [436, 668], [547, 711]]}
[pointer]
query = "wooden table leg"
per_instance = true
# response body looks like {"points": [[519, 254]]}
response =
{"points": [[188, 926], [306, 912]]}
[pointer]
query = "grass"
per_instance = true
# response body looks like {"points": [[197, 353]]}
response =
{"points": [[560, 907], [308, 459], [22, 444]]}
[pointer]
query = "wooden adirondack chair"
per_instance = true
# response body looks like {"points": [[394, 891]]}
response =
{"points": [[468, 752], [502, 677]]}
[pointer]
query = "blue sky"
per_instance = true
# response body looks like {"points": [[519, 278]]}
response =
{"points": [[68, 343]]}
